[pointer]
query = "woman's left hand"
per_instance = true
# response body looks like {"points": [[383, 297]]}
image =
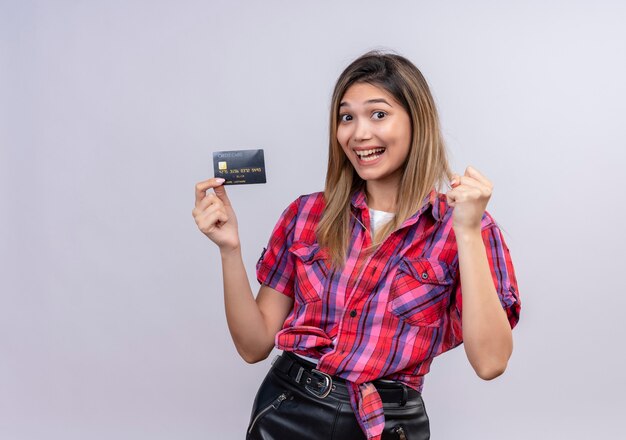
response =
{"points": [[469, 196]]}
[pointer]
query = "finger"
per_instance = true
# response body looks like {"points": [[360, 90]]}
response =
{"points": [[210, 199], [220, 191], [464, 193], [202, 187], [454, 180], [475, 174], [212, 221], [471, 182], [210, 204], [451, 197], [212, 209]]}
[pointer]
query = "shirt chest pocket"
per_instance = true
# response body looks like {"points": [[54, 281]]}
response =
{"points": [[420, 291], [312, 269]]}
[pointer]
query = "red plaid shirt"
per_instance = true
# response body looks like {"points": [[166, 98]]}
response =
{"points": [[383, 316]]}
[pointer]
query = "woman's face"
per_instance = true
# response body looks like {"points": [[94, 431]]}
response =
{"points": [[374, 132]]}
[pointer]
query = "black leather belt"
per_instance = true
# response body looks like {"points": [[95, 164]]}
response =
{"points": [[321, 385]]}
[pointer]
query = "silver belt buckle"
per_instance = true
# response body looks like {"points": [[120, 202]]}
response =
{"points": [[323, 387]]}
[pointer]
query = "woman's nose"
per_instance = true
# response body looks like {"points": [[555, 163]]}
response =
{"points": [[362, 131]]}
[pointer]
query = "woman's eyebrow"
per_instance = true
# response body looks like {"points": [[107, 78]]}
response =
{"points": [[369, 101]]}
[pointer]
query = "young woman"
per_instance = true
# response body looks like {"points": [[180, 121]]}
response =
{"points": [[363, 284]]}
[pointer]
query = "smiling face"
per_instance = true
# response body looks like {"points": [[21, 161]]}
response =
{"points": [[374, 132]]}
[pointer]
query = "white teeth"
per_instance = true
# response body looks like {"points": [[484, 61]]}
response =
{"points": [[368, 152], [369, 159]]}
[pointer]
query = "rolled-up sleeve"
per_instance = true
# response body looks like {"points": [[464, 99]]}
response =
{"points": [[502, 272], [275, 267], [505, 282]]}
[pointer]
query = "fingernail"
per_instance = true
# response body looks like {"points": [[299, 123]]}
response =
{"points": [[220, 180]]}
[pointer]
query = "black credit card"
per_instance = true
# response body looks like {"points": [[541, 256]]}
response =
{"points": [[239, 167]]}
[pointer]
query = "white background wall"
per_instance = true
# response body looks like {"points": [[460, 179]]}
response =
{"points": [[111, 309]]}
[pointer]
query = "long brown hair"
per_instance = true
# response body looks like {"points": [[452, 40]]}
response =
{"points": [[426, 166]]}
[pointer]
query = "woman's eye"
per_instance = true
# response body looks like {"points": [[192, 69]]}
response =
{"points": [[379, 115], [345, 118]]}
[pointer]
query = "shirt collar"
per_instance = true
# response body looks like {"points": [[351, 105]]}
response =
{"points": [[358, 201]]}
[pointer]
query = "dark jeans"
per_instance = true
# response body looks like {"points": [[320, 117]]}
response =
{"points": [[283, 410]]}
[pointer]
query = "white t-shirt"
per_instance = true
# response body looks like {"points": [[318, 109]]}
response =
{"points": [[378, 218]]}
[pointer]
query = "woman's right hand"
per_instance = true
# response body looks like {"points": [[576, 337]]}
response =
{"points": [[214, 214]]}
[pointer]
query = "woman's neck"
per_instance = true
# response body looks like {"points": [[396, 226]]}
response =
{"points": [[381, 196]]}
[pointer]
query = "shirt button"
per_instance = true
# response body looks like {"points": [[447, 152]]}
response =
{"points": [[353, 313], [425, 275]]}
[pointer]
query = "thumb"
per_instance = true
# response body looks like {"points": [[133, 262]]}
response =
{"points": [[220, 192], [455, 181]]}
